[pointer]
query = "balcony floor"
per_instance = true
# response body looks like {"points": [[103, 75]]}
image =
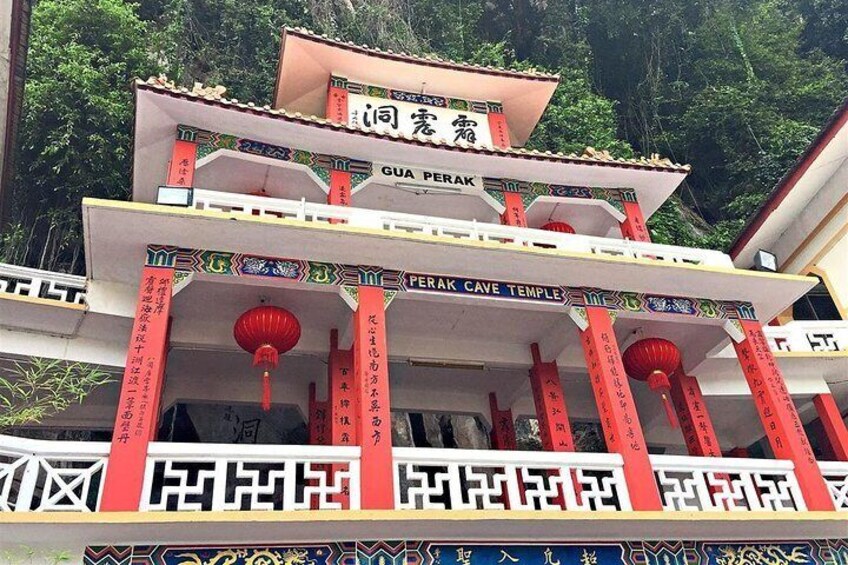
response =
{"points": [[118, 528]]}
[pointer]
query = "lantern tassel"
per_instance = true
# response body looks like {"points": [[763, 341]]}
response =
{"points": [[266, 356], [669, 411], [266, 391]]}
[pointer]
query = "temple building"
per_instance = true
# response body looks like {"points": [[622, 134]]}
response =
{"points": [[365, 325]]}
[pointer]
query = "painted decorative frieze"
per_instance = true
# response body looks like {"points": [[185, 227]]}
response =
{"points": [[813, 552], [337, 274], [321, 164]]}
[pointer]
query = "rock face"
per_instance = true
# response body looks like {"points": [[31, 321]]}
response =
{"points": [[588, 436], [401, 430], [461, 431]]}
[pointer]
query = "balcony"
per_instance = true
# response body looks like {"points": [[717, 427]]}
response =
{"points": [[58, 476], [35, 283], [809, 337], [451, 228]]}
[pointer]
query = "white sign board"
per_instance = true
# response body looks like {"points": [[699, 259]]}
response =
{"points": [[431, 122], [425, 178]]}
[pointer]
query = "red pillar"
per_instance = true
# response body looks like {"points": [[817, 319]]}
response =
{"points": [[499, 130], [833, 424], [503, 437], [336, 103], [549, 399], [503, 426], [337, 112], [181, 166], [695, 421], [339, 188], [620, 422], [137, 417], [342, 396], [371, 370], [633, 227], [342, 400], [514, 213], [778, 414]]}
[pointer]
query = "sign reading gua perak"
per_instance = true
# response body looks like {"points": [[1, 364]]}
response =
{"points": [[431, 122]]}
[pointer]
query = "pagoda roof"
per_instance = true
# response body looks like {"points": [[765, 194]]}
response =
{"points": [[590, 156], [308, 60]]}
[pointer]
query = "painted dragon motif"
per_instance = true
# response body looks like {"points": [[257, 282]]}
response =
{"points": [[760, 555], [261, 557]]}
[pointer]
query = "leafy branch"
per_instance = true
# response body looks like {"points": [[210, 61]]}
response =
{"points": [[40, 388]]}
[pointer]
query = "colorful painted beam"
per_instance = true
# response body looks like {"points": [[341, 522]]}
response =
{"points": [[337, 274]]}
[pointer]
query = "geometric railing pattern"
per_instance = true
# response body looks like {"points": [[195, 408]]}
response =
{"points": [[249, 477], [723, 483], [35, 283], [813, 336], [51, 476], [836, 475], [304, 211], [460, 479]]}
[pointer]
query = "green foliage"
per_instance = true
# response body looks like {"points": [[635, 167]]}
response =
{"points": [[230, 42], [33, 391], [75, 133], [577, 118], [736, 88]]}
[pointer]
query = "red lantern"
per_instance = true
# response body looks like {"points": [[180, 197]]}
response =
{"points": [[267, 332], [652, 360], [560, 227]]}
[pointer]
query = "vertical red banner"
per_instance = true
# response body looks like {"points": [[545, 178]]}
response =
{"points": [[371, 370], [336, 104], [514, 213], [499, 130], [342, 399], [619, 420], [633, 227], [343, 413], [549, 399], [695, 422], [339, 188], [778, 414], [319, 429], [833, 424], [181, 167], [137, 417], [503, 426]]}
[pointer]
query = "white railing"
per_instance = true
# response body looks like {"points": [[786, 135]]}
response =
{"points": [[458, 229], [836, 475], [35, 283], [250, 477], [723, 483], [519, 480], [809, 336], [42, 476]]}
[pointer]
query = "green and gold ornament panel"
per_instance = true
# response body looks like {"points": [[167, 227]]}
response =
{"points": [[815, 552], [337, 274], [321, 164]]}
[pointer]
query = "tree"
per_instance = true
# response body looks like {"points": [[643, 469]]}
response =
{"points": [[33, 391], [75, 133]]}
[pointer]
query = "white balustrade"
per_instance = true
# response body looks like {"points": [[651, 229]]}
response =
{"points": [[522, 480], [836, 476], [35, 283], [723, 483], [458, 229], [41, 476], [812, 336], [249, 477]]}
